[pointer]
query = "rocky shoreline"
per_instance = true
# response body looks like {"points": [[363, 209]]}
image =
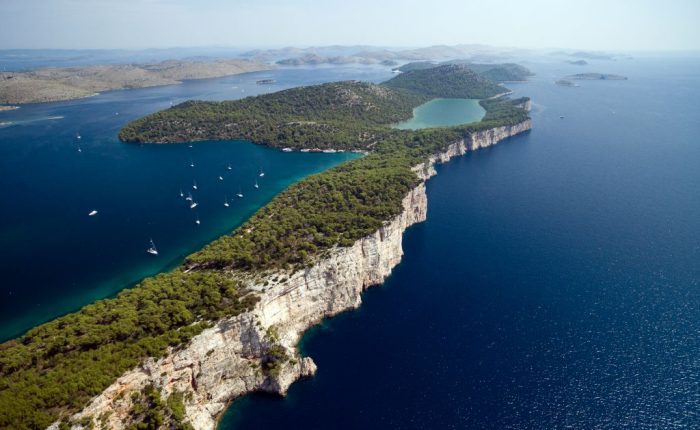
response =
{"points": [[223, 362]]}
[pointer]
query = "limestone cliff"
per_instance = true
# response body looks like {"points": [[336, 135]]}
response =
{"points": [[223, 362]]}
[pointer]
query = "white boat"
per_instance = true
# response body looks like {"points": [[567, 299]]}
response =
{"points": [[92, 213], [152, 250], [181, 193], [193, 205], [261, 174], [221, 178], [256, 184], [239, 194], [194, 185], [286, 149], [197, 221], [226, 201], [191, 163], [229, 167], [79, 136], [189, 197], [80, 150]]}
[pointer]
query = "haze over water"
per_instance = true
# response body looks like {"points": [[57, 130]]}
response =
{"points": [[555, 283]]}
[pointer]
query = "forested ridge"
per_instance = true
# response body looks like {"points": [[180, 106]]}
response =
{"points": [[54, 370]]}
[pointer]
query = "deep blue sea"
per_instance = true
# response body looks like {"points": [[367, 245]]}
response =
{"points": [[56, 258], [555, 284]]}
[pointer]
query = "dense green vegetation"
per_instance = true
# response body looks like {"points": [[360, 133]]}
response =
{"points": [[150, 412], [340, 115], [501, 72], [57, 367], [53, 370], [453, 81]]}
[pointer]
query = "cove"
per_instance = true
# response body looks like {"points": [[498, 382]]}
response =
{"points": [[444, 112], [57, 258]]}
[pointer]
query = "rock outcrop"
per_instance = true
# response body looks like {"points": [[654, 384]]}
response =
{"points": [[224, 361]]}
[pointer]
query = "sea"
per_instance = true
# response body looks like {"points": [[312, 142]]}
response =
{"points": [[555, 284], [61, 161]]}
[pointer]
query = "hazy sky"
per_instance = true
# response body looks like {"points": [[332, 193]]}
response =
{"points": [[588, 24]]}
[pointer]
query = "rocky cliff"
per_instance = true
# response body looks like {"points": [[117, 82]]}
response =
{"points": [[224, 361]]}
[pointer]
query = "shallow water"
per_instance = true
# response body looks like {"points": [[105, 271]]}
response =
{"points": [[56, 258], [444, 112]]}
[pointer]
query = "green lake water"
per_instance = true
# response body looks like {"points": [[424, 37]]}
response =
{"points": [[444, 112]]}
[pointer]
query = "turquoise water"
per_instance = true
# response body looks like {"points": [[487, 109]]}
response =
{"points": [[555, 284], [56, 258], [444, 112]]}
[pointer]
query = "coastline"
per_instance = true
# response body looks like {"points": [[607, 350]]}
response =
{"points": [[47, 85], [219, 364]]}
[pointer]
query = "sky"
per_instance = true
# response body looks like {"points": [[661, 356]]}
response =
{"points": [[615, 25]]}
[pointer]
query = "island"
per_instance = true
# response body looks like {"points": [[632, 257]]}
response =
{"points": [[498, 72], [176, 349], [56, 84], [578, 62], [597, 77]]}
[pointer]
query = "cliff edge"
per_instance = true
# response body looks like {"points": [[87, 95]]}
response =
{"points": [[233, 357]]}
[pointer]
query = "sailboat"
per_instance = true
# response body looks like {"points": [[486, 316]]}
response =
{"points": [[152, 250], [189, 197], [226, 201], [240, 193], [256, 184], [194, 185], [181, 193]]}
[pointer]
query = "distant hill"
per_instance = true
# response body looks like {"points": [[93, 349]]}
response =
{"points": [[377, 55], [54, 84], [450, 81], [501, 72]]}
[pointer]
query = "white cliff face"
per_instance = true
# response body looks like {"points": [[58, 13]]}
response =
{"points": [[223, 362]]}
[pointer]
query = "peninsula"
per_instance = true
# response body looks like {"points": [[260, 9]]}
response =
{"points": [[176, 349], [55, 84]]}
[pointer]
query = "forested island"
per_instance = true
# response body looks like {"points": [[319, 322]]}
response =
{"points": [[55, 84], [54, 370], [499, 72]]}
